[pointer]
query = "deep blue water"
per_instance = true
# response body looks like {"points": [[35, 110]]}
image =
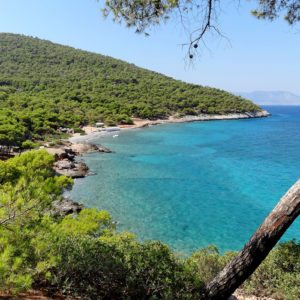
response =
{"points": [[195, 184]]}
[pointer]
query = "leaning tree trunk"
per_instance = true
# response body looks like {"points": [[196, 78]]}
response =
{"points": [[258, 247]]}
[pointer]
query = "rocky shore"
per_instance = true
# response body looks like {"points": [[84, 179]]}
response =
{"points": [[66, 161], [140, 123], [231, 116]]}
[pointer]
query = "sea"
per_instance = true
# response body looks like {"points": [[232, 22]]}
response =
{"points": [[191, 185]]}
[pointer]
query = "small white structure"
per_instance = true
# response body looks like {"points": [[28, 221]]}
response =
{"points": [[99, 124]]}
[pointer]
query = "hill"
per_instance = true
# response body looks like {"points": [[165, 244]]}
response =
{"points": [[44, 86], [272, 97]]}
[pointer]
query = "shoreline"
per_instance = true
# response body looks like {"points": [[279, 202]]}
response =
{"points": [[140, 123], [94, 132], [67, 153]]}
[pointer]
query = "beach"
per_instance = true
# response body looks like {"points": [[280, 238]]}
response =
{"points": [[92, 132]]}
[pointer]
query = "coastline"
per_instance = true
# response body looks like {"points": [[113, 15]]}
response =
{"points": [[94, 132], [140, 123], [67, 154], [67, 151]]}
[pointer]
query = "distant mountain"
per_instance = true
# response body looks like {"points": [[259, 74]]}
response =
{"points": [[272, 97]]}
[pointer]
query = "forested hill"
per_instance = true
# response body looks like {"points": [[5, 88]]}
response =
{"points": [[45, 85]]}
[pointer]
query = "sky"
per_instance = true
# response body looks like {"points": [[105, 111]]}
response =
{"points": [[257, 55]]}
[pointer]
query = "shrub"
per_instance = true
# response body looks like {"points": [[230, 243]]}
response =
{"points": [[78, 130], [26, 145], [279, 274], [95, 262]]}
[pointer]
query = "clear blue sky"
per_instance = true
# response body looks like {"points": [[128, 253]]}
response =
{"points": [[262, 55]]}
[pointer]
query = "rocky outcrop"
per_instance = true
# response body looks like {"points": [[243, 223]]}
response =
{"points": [[66, 164], [61, 152], [73, 169], [69, 150], [65, 207], [81, 148], [211, 117], [258, 114], [104, 149], [65, 153], [141, 123], [65, 158]]}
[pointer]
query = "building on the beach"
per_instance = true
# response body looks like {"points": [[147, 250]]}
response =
{"points": [[99, 124]]}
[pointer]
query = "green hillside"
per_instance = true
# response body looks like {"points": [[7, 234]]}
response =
{"points": [[44, 86]]}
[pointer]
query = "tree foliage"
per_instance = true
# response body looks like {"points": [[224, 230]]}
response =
{"points": [[27, 188], [290, 9], [142, 15], [45, 86]]}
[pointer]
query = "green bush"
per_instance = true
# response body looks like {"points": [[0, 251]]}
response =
{"points": [[89, 268], [93, 261], [207, 262], [123, 119], [110, 122], [279, 274], [94, 269], [78, 130], [29, 145]]}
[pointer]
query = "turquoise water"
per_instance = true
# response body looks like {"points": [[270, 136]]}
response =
{"points": [[194, 184]]}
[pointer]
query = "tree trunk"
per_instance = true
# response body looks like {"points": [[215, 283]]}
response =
{"points": [[258, 247]]}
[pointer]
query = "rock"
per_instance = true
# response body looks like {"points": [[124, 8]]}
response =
{"points": [[72, 169], [65, 207], [70, 153], [65, 162], [103, 149], [60, 156], [258, 114], [67, 153], [81, 148], [62, 153]]}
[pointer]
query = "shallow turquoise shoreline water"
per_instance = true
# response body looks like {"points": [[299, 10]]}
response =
{"points": [[195, 184]]}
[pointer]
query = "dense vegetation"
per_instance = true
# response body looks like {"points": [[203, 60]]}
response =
{"points": [[44, 86], [84, 255]]}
